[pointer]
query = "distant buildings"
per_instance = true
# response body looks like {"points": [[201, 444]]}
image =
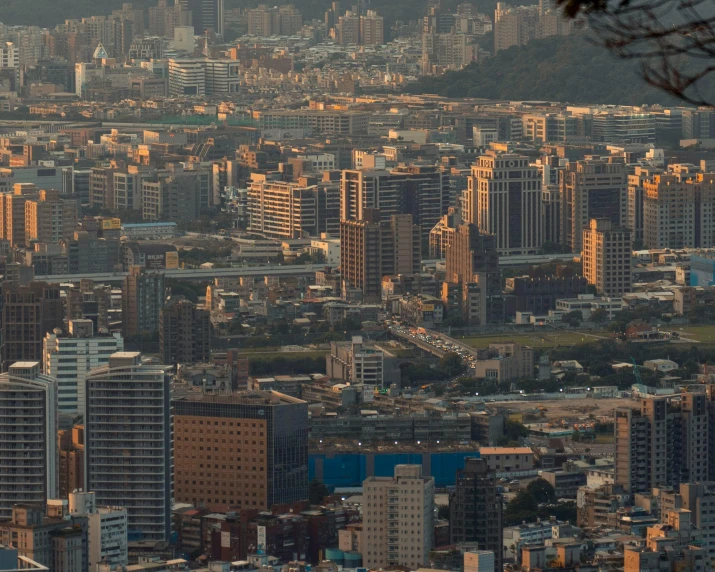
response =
{"points": [[398, 519], [252, 449], [142, 300], [128, 439], [607, 257], [184, 332]]}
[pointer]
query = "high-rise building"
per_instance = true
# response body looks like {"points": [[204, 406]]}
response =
{"points": [[128, 440], [398, 519], [49, 218], [475, 509], [70, 357], [514, 26], [142, 300], [206, 15], [371, 249], [372, 29], [246, 449], [267, 21], [607, 257], [472, 284], [505, 196], [592, 188], [184, 332], [107, 530], [636, 198], [422, 191], [203, 77], [70, 443], [28, 313], [12, 217], [679, 209], [9, 55], [348, 29], [663, 443], [28, 437]]}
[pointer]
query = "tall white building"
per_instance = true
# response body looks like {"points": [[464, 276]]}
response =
{"points": [[28, 437], [9, 55], [203, 77], [504, 199], [128, 443], [107, 530], [69, 359], [398, 519]]}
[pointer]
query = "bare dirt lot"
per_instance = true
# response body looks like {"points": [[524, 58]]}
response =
{"points": [[557, 409]]}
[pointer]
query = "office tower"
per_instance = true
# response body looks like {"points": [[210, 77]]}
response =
{"points": [[398, 519], [662, 444], [49, 218], [70, 357], [90, 301], [678, 209], [475, 509], [206, 15], [514, 26], [107, 534], [607, 257], [332, 16], [51, 539], [28, 313], [70, 443], [128, 440], [371, 249], [12, 217], [28, 437], [623, 128], [472, 285], [698, 123], [422, 191], [142, 300], [203, 77], [184, 332], [258, 453], [372, 29], [348, 29], [591, 188], [636, 200], [505, 196]]}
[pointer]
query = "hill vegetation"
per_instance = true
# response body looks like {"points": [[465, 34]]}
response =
{"points": [[569, 69]]}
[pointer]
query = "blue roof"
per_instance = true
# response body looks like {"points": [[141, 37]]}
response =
{"points": [[148, 224]]}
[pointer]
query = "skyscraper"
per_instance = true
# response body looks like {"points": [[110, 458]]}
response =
{"points": [[206, 15], [255, 449], [398, 519], [607, 257], [28, 313], [142, 301], [475, 509], [505, 200], [28, 437], [128, 442], [184, 332]]}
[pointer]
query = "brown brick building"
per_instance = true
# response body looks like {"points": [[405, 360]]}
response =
{"points": [[240, 450]]}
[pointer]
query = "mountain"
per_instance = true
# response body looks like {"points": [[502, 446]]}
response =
{"points": [[569, 69]]}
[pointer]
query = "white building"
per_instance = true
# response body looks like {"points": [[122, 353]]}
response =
{"points": [[328, 247], [69, 359], [203, 77], [107, 530], [28, 437], [128, 451], [398, 519], [9, 55]]}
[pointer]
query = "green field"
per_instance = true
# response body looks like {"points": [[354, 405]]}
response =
{"points": [[271, 354], [705, 334], [545, 339]]}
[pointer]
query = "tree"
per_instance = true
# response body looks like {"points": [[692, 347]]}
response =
{"points": [[599, 315], [573, 318], [673, 40], [451, 363], [317, 491], [542, 490], [514, 430]]}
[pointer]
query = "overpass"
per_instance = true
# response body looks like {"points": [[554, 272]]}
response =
{"points": [[198, 274]]}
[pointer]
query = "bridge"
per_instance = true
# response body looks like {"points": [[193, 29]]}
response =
{"points": [[197, 274]]}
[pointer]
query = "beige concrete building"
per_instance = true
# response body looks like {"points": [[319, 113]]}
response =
{"points": [[507, 459], [12, 215], [606, 257], [398, 519], [49, 218], [505, 362], [372, 29], [504, 199]]}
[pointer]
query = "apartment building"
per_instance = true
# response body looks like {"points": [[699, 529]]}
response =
{"points": [[505, 361], [372, 29], [591, 188], [28, 437], [475, 510], [246, 449], [504, 199], [371, 248], [361, 362], [49, 219], [128, 436], [184, 332], [398, 519], [142, 300], [607, 257], [636, 198], [12, 215], [69, 357], [107, 534]]}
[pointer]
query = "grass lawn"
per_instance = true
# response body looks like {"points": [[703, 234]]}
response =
{"points": [[604, 439], [270, 354], [704, 333], [545, 339]]}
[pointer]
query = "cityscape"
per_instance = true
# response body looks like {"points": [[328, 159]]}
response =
{"points": [[356, 286]]}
